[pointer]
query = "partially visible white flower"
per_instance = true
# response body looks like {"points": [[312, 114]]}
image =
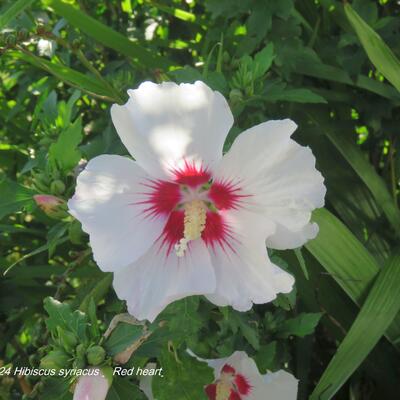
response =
{"points": [[93, 386], [182, 219], [146, 382], [237, 378], [46, 47]]}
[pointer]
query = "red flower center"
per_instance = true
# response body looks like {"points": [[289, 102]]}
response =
{"points": [[192, 184], [230, 385]]}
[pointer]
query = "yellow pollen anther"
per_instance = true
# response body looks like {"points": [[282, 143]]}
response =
{"points": [[194, 224]]}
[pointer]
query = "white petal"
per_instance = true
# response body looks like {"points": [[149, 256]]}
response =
{"points": [[281, 385], [92, 387], [281, 177], [245, 275], [277, 386], [158, 279], [146, 381], [105, 202], [162, 125]]}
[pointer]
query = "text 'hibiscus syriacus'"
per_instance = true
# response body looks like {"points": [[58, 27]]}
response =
{"points": [[182, 219]]}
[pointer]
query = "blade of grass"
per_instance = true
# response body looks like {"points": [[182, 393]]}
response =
{"points": [[366, 172], [380, 308], [378, 52], [67, 75], [334, 74], [108, 37], [347, 261], [11, 12]]}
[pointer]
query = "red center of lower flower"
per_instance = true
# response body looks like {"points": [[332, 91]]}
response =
{"points": [[192, 202], [230, 386]]}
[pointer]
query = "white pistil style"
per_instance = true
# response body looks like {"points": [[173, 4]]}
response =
{"points": [[194, 224]]}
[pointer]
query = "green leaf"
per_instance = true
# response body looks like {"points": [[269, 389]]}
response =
{"points": [[302, 325], [14, 197], [378, 52], [265, 357], [97, 293], [107, 36], [366, 172], [183, 318], [330, 73], [64, 153], [34, 252], [184, 377], [296, 96], [12, 11], [302, 263], [377, 313], [263, 61], [61, 315], [240, 321], [347, 261], [87, 83], [122, 337], [54, 235], [122, 389]]}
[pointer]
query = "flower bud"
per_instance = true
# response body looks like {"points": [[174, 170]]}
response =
{"points": [[53, 206], [67, 340], [56, 359], [236, 96], [75, 233], [95, 355], [93, 386], [57, 187]]}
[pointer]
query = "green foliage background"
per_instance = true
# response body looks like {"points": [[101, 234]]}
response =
{"points": [[319, 62]]}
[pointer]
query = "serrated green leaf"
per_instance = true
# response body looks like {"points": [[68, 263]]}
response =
{"points": [[263, 61], [183, 319], [184, 378], [61, 315], [378, 312], [64, 153], [302, 325], [240, 321]]}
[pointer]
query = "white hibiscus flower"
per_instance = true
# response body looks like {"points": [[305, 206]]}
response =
{"points": [[237, 378], [182, 219]]}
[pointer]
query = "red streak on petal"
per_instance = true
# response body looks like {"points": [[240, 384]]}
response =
{"points": [[211, 391], [234, 395], [191, 175], [225, 195], [162, 197], [217, 232], [228, 369], [242, 384], [173, 230]]}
